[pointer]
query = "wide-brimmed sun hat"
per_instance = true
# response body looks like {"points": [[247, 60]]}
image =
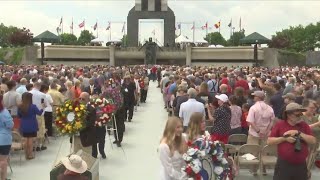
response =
{"points": [[75, 164], [295, 107]]}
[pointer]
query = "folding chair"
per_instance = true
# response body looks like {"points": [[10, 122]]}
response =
{"points": [[17, 143], [238, 140], [269, 156], [252, 149]]}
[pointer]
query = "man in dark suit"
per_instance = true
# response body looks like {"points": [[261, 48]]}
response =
{"points": [[92, 89], [88, 135], [129, 94]]}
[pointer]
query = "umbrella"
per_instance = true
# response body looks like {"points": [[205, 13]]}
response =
{"points": [[255, 38], [45, 37]]}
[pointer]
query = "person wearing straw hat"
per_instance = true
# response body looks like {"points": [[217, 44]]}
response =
{"points": [[292, 138], [75, 166]]}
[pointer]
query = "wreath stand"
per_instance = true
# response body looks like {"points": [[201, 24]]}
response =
{"points": [[114, 129]]}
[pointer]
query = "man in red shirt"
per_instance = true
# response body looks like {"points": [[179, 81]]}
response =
{"points": [[292, 155], [242, 83]]}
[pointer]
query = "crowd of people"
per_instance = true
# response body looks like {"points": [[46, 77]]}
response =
{"points": [[277, 106], [30, 94]]}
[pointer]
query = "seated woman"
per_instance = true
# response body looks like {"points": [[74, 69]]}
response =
{"points": [[75, 166], [171, 148]]}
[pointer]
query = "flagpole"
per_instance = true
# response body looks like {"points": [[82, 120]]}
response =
{"points": [[194, 27], [124, 33], [62, 25], [240, 24], [84, 25], [110, 30], [219, 26], [206, 28], [97, 29]]}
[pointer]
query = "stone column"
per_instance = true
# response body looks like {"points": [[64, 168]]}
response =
{"points": [[188, 54], [112, 50]]}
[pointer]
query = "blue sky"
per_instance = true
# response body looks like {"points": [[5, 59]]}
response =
{"points": [[265, 17]]}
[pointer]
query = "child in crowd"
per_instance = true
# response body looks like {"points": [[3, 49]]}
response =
{"points": [[244, 124]]}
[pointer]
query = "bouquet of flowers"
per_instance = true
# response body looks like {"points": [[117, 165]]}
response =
{"points": [[201, 149], [113, 91], [105, 110], [70, 117]]}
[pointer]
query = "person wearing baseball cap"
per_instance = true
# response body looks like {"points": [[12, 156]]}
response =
{"points": [[292, 137], [260, 120], [75, 166], [222, 120]]}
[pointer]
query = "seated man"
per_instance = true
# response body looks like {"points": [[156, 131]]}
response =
{"points": [[75, 166]]}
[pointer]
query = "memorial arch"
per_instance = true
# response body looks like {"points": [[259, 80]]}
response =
{"points": [[151, 9]]}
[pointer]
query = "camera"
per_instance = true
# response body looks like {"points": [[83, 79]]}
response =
{"points": [[297, 144]]}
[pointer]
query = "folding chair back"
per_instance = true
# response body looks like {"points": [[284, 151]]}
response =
{"points": [[238, 139], [248, 149], [269, 155]]}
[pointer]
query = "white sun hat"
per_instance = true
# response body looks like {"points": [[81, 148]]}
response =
{"points": [[75, 164]]}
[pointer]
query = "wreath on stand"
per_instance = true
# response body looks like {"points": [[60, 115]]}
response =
{"points": [[105, 110], [203, 149], [70, 117]]}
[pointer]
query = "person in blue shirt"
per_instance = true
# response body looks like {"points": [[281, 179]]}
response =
{"points": [[29, 126], [6, 124]]}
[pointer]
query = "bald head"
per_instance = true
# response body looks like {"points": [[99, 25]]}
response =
{"points": [[84, 97]]}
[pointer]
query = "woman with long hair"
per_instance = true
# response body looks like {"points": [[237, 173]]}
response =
{"points": [[196, 127], [29, 125], [171, 148], [6, 124]]}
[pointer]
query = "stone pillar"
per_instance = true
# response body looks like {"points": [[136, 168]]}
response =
{"points": [[188, 54], [112, 50]]}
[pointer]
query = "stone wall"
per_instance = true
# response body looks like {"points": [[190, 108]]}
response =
{"points": [[313, 58]]}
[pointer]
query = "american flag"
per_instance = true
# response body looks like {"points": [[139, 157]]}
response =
{"points": [[81, 25]]}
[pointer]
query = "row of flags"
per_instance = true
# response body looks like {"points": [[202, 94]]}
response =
{"points": [[83, 25], [95, 26], [206, 26]]}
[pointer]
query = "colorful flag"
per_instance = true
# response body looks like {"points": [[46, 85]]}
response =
{"points": [[95, 26], [205, 26], [81, 25], [109, 26], [123, 27], [230, 24], [217, 25]]}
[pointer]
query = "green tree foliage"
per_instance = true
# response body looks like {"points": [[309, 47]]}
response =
{"points": [[297, 38], [124, 40], [68, 39], [21, 37], [235, 38], [215, 38], [85, 37], [5, 33]]}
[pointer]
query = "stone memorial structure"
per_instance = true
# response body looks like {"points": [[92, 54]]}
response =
{"points": [[151, 9]]}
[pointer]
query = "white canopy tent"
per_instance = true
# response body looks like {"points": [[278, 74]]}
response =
{"points": [[97, 40], [183, 39], [201, 41]]}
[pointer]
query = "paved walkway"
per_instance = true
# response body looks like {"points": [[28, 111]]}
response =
{"points": [[139, 161]]}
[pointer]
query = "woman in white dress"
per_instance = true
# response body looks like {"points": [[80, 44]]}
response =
{"points": [[171, 148]]}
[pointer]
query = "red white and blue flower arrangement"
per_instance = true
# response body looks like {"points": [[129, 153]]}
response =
{"points": [[201, 150]]}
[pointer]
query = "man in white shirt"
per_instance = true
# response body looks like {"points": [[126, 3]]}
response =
{"points": [[189, 107], [37, 98], [22, 88]]}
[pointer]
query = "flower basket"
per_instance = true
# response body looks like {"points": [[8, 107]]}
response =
{"points": [[70, 117]]}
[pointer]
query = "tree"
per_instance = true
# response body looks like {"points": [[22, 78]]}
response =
{"points": [[5, 32], [68, 39], [215, 38], [21, 37], [124, 40], [235, 38], [85, 37], [280, 42]]}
